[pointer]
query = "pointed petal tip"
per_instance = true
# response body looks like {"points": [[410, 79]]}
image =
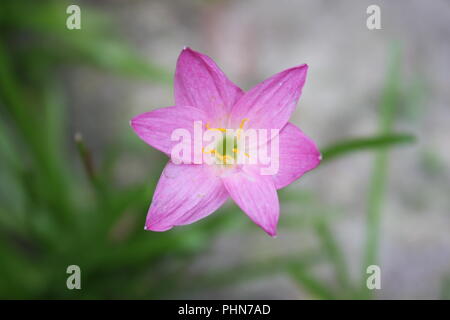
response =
{"points": [[316, 163], [134, 120], [134, 123], [303, 67], [188, 52], [270, 230], [187, 49], [156, 227], [272, 233]]}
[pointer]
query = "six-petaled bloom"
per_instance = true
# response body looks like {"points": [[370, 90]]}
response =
{"points": [[187, 192]]}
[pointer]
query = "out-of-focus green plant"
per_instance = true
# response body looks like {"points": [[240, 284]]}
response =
{"points": [[51, 216]]}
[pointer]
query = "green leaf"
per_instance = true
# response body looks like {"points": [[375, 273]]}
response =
{"points": [[354, 145], [332, 249], [389, 101]]}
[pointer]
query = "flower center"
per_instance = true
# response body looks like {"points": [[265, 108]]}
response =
{"points": [[227, 150]]}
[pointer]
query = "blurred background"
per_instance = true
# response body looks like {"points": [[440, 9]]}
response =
{"points": [[75, 181]]}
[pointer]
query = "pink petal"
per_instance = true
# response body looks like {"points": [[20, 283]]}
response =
{"points": [[298, 155], [270, 104], [184, 194], [200, 83], [156, 127], [256, 196]]}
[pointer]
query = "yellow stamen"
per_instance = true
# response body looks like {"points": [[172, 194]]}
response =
{"points": [[219, 129], [243, 121], [210, 151], [241, 126]]}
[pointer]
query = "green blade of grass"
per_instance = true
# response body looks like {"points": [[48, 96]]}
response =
{"points": [[390, 99], [354, 145], [310, 283], [334, 253]]}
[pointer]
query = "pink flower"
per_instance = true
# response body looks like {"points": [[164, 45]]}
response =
{"points": [[189, 192]]}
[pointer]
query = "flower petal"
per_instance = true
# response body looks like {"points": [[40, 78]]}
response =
{"points": [[270, 104], [184, 194], [156, 127], [200, 83], [256, 196], [298, 155]]}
